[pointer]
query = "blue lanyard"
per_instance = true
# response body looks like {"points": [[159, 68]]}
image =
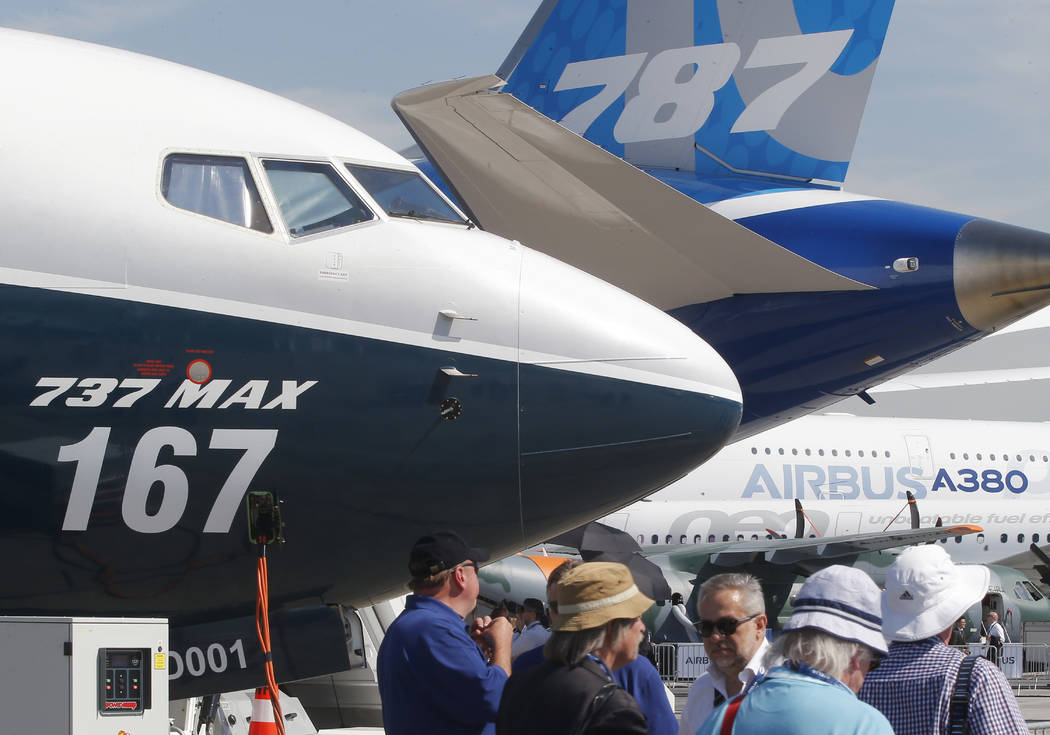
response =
{"points": [[601, 663], [807, 670]]}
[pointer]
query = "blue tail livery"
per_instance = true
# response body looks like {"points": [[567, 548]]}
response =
{"points": [[715, 137], [749, 88]]}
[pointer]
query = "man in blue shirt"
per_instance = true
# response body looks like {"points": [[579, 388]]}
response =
{"points": [[434, 677], [533, 634]]}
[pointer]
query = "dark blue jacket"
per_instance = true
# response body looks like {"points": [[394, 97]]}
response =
{"points": [[643, 681], [433, 677]]}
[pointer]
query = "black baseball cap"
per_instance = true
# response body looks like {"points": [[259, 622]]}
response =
{"points": [[533, 605], [439, 551]]}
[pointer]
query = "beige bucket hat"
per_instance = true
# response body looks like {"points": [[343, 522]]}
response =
{"points": [[594, 593]]}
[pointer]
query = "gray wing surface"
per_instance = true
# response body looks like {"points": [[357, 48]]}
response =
{"points": [[524, 176], [808, 552]]}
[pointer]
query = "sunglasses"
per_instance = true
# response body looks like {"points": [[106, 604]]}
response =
{"points": [[874, 663], [725, 626]]}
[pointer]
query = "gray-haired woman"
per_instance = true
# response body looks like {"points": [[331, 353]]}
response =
{"points": [[597, 630]]}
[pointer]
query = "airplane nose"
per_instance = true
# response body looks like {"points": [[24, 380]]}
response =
{"points": [[1002, 272], [617, 399], [517, 577]]}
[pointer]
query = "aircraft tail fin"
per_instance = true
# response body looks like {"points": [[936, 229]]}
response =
{"points": [[771, 88]]}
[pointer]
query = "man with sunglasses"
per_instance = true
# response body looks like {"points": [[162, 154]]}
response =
{"points": [[433, 675], [733, 628], [833, 639]]}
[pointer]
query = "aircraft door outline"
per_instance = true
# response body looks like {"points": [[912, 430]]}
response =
{"points": [[919, 454], [847, 523]]}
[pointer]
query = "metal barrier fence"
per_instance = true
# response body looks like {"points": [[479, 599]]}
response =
{"points": [[664, 653], [680, 661], [1024, 664]]}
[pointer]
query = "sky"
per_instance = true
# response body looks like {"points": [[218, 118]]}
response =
{"points": [[956, 117]]}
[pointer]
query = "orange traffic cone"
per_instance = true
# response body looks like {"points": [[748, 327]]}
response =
{"points": [[262, 714]]}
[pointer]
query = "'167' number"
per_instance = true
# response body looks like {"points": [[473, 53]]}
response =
{"points": [[145, 472], [689, 102]]}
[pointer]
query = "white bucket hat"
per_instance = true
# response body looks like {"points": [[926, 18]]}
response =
{"points": [[843, 602], [926, 593]]}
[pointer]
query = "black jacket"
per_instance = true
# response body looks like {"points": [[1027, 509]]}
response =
{"points": [[553, 699]]}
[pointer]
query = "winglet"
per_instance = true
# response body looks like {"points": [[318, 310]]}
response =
{"points": [[964, 528]]}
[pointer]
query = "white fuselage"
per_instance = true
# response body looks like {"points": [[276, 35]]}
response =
{"points": [[852, 475], [207, 291]]}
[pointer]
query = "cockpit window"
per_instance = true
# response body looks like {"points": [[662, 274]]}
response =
{"points": [[404, 194], [313, 198], [215, 186]]}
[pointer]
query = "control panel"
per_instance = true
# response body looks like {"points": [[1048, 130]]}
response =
{"points": [[84, 675], [124, 681]]}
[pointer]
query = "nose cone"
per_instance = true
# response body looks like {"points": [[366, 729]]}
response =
{"points": [[518, 577], [617, 398], [1002, 273]]}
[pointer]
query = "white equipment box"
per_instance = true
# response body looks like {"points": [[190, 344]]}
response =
{"points": [[84, 676]]}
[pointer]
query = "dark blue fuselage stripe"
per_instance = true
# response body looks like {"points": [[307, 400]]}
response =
{"points": [[364, 462]]}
